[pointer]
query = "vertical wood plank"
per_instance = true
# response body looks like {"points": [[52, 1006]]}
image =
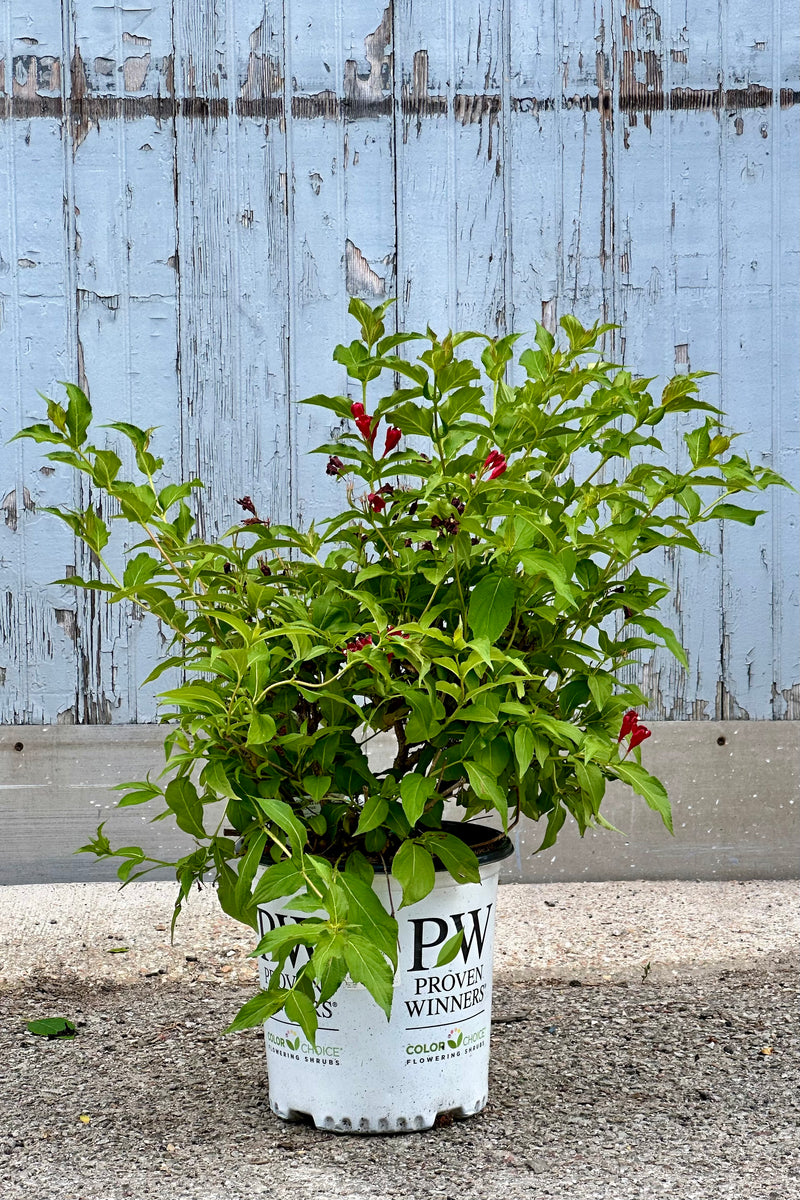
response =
{"points": [[125, 304], [37, 668], [426, 165]]}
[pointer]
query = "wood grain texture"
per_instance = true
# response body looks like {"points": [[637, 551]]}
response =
{"points": [[190, 191]]}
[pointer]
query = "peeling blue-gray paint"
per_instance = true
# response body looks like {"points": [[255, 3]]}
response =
{"points": [[190, 190]]}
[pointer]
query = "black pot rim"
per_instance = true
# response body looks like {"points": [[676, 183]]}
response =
{"points": [[489, 845]]}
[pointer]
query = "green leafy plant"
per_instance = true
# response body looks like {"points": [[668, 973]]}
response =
{"points": [[479, 596]]}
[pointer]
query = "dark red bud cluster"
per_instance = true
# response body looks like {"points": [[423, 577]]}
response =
{"points": [[263, 565], [358, 643], [247, 504], [448, 525], [458, 505], [632, 730], [256, 521], [627, 611], [335, 465]]}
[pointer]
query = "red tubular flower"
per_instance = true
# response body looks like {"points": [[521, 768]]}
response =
{"points": [[376, 502], [638, 735], [494, 462], [364, 426], [393, 436], [629, 723], [357, 409]]}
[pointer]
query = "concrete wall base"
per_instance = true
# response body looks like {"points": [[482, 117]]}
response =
{"points": [[733, 786]]}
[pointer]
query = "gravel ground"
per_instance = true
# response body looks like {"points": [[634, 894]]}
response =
{"points": [[608, 1082]]}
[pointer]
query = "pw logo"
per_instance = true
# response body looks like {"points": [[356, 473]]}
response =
{"points": [[430, 932], [454, 1038], [292, 1039]]}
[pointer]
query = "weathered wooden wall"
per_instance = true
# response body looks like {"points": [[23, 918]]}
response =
{"points": [[189, 190]]}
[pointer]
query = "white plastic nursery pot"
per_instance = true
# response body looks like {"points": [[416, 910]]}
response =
{"points": [[365, 1074]]}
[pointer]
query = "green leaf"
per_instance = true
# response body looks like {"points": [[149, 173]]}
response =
{"points": [[258, 1009], [450, 949], [214, 777], [412, 418], [523, 748], [262, 729], [52, 1027], [366, 915], [244, 883], [139, 570], [413, 869], [485, 787], [300, 1009], [490, 607], [415, 791], [282, 879], [359, 866], [285, 818], [366, 964], [137, 501], [373, 814], [651, 625], [38, 433], [140, 793], [555, 819], [648, 787], [592, 783], [277, 943], [317, 787], [79, 414], [202, 697], [455, 855], [600, 687], [182, 798], [733, 512], [106, 467]]}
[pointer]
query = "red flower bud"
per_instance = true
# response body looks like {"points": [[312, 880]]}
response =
{"points": [[357, 409], [393, 436], [492, 458], [364, 426], [499, 468], [376, 502], [638, 735], [629, 723]]}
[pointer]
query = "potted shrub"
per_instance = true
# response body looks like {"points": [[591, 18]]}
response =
{"points": [[478, 597]]}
